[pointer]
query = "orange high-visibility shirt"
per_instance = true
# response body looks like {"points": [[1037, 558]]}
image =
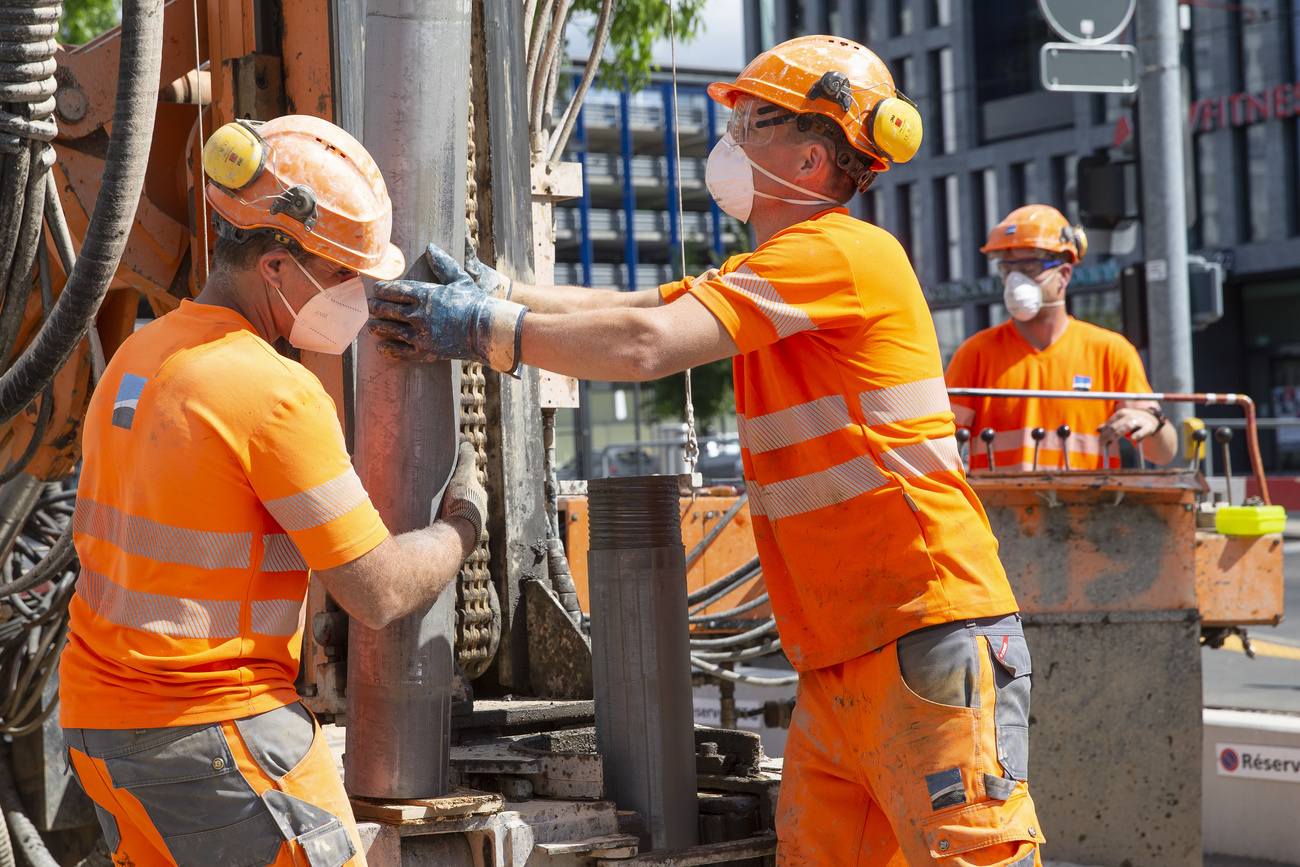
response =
{"points": [[865, 526], [214, 475], [1085, 358]]}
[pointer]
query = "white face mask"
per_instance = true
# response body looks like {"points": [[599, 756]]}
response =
{"points": [[1024, 297], [331, 319], [729, 175]]}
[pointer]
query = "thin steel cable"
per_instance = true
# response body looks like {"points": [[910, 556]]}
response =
{"points": [[199, 183], [692, 452]]}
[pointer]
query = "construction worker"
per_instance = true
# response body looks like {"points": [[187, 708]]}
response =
{"points": [[910, 739], [1043, 347], [215, 475]]}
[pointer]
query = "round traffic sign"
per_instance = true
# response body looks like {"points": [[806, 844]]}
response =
{"points": [[1088, 22]]}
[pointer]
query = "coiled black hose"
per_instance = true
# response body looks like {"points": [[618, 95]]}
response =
{"points": [[27, 46], [110, 222]]}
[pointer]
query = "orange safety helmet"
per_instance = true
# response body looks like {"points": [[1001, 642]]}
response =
{"points": [[841, 80], [1039, 227], [307, 181]]}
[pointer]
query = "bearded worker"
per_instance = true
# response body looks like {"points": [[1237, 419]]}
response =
{"points": [[1042, 347], [215, 475], [910, 738]]}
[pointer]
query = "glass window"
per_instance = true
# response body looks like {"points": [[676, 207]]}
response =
{"points": [[1259, 177], [998, 313], [940, 13], [1207, 191], [984, 199], [943, 103], [796, 20], [1103, 309], [948, 224], [834, 17], [904, 77], [950, 328], [767, 22], [1024, 184], [900, 17], [866, 26], [1008, 35]]}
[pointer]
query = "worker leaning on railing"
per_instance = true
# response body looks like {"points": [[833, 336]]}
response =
{"points": [[215, 475], [1043, 347], [910, 740]]}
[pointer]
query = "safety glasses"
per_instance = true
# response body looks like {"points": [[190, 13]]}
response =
{"points": [[1033, 268], [753, 121]]}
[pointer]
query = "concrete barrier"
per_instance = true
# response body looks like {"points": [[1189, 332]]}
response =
{"points": [[1250, 797]]}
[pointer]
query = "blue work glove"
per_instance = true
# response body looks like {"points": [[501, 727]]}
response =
{"points": [[446, 270], [418, 321]]}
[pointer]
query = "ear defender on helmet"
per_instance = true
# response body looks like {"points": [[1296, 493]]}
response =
{"points": [[895, 128], [1075, 235], [234, 156]]}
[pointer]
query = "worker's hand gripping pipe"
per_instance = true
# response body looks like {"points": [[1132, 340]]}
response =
{"points": [[1208, 398]]}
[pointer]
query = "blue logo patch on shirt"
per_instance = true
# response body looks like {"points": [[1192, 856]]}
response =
{"points": [[1082, 383], [128, 395]]}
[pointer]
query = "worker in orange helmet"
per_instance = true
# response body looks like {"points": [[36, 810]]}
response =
{"points": [[1043, 347], [910, 736], [215, 475]]}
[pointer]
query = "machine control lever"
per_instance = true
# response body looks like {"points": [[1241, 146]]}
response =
{"points": [[1223, 436], [1039, 435], [1064, 433], [963, 447], [987, 435], [1199, 436]]}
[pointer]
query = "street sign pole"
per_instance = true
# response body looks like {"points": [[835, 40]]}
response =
{"points": [[1164, 200]]}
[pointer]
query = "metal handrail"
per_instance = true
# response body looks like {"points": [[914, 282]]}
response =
{"points": [[1210, 398]]}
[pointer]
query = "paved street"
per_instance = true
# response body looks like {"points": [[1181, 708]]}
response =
{"points": [[1267, 683]]}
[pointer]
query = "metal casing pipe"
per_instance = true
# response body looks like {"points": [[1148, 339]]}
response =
{"points": [[640, 648], [414, 112]]}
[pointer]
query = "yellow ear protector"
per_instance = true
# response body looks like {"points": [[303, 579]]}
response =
{"points": [[1075, 235], [894, 128], [234, 156]]}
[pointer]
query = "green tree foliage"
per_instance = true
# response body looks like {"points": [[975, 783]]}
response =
{"points": [[83, 20], [711, 391], [637, 24]]}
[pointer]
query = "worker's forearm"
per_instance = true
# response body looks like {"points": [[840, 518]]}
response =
{"points": [[606, 345], [570, 299], [1162, 446], [402, 574]]}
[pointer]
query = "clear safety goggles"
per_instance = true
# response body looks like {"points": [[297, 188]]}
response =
{"points": [[753, 121], [1032, 268]]}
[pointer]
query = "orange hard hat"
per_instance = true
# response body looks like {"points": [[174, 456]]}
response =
{"points": [[1038, 227], [305, 179], [840, 79]]}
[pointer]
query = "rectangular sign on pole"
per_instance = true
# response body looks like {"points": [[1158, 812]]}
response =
{"points": [[1089, 68]]}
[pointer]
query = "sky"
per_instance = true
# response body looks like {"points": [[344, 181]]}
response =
{"points": [[720, 44]]}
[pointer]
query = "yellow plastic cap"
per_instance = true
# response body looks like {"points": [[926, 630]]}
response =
{"points": [[1249, 520], [234, 156]]}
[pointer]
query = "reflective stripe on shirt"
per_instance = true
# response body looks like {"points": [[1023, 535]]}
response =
{"points": [[153, 612], [923, 458], [821, 489], [785, 318], [280, 554], [319, 505], [162, 543], [906, 401], [211, 619], [795, 424]]}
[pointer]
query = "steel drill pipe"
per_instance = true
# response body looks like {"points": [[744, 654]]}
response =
{"points": [[645, 729], [407, 421]]}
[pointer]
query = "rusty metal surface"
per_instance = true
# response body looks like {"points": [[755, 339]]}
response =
{"points": [[733, 547], [1086, 542], [1239, 579], [559, 656]]}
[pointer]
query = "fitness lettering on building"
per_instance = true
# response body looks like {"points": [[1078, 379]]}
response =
{"points": [[1245, 108], [1259, 762]]}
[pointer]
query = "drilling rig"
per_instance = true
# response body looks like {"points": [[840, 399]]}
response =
{"points": [[491, 729]]}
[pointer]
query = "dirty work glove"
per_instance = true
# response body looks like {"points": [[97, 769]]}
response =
{"points": [[465, 497], [430, 321], [446, 270]]}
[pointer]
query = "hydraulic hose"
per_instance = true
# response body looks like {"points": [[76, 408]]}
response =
{"points": [[698, 551], [730, 612], [21, 829], [764, 628], [110, 223], [735, 576]]}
